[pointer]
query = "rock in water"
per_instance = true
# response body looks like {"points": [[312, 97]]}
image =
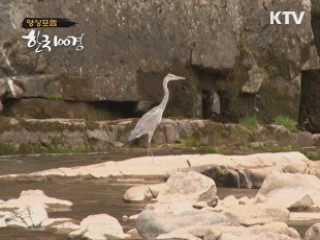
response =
{"points": [[152, 223], [29, 216], [256, 214], [276, 180], [34, 196], [189, 187], [137, 194], [300, 198], [101, 226], [313, 233]]}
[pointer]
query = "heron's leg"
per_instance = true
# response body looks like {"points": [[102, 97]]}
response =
{"points": [[150, 153]]}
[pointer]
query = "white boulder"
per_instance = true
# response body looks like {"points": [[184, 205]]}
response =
{"points": [[100, 226], [276, 180], [188, 187], [35, 196], [137, 194]]}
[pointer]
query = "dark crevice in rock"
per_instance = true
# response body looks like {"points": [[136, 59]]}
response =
{"points": [[222, 100], [309, 112], [40, 108]]}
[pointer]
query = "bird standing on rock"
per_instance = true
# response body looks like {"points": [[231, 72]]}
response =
{"points": [[148, 123]]}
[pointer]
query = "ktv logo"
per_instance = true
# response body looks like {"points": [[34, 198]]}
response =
{"points": [[286, 17]]}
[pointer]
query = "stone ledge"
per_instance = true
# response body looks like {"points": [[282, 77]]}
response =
{"points": [[235, 171], [77, 135]]}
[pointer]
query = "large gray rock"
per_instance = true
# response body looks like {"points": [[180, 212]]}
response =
{"points": [[126, 62], [249, 215], [189, 187], [218, 231], [150, 223], [276, 180], [300, 198]]}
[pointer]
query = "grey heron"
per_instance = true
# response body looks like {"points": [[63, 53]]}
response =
{"points": [[148, 123]]}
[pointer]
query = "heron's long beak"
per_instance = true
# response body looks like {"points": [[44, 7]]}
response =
{"points": [[179, 78]]}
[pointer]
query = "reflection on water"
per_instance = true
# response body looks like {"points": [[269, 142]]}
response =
{"points": [[88, 198], [32, 163], [24, 234]]}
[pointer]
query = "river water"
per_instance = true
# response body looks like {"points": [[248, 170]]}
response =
{"points": [[88, 196]]}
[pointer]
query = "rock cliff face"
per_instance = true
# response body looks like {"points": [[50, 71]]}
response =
{"points": [[309, 116], [227, 49]]}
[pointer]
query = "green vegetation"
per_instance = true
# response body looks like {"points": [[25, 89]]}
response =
{"points": [[287, 122], [190, 142], [56, 96], [7, 149], [249, 122], [277, 148], [313, 156]]}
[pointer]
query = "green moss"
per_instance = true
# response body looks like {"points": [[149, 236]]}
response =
{"points": [[190, 142], [38, 148], [7, 149], [242, 134], [56, 96], [287, 122], [250, 122]]}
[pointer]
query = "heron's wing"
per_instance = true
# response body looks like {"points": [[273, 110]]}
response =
{"points": [[147, 123]]}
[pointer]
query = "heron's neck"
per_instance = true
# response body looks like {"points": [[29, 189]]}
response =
{"points": [[166, 95]]}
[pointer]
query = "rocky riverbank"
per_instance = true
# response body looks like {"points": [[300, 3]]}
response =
{"points": [[234, 171], [187, 207], [64, 135], [186, 203]]}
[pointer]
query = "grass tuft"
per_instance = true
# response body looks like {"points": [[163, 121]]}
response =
{"points": [[249, 122], [56, 96], [190, 142], [287, 122]]}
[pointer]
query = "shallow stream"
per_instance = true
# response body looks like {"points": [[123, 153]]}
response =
{"points": [[88, 196]]}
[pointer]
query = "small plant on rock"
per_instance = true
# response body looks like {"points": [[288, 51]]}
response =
{"points": [[190, 142], [56, 96], [250, 122], [287, 122]]}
